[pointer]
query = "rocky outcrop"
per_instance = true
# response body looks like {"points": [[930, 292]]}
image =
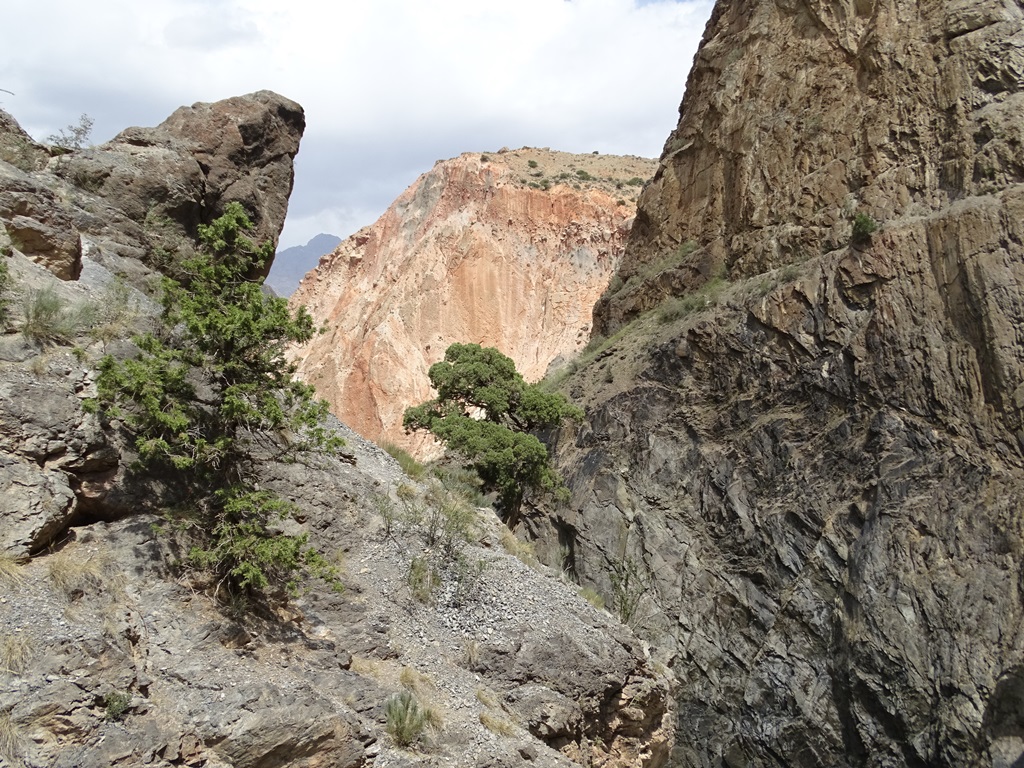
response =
{"points": [[802, 479], [142, 195], [508, 250]]}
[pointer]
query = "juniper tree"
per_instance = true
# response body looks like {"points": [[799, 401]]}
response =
{"points": [[210, 386]]}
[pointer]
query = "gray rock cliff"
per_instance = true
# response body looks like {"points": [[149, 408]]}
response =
{"points": [[804, 444]]}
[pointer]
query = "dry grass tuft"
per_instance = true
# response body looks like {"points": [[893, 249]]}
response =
{"points": [[12, 745], [73, 571], [496, 725], [487, 698], [415, 681], [10, 571], [521, 549], [15, 653]]}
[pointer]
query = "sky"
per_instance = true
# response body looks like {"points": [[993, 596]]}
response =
{"points": [[388, 86]]}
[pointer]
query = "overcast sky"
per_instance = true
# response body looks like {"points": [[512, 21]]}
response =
{"points": [[389, 86]]}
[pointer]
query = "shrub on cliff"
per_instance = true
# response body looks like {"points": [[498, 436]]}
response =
{"points": [[209, 386], [474, 380]]}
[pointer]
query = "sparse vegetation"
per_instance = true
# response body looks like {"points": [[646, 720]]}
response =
{"points": [[496, 725], [532, 163], [15, 653], [73, 571], [405, 460], [678, 308], [12, 743], [630, 584], [73, 137], [407, 719], [593, 597], [5, 287], [49, 319], [10, 570], [423, 579]]}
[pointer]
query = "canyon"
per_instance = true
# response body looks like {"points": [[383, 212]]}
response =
{"points": [[508, 249]]}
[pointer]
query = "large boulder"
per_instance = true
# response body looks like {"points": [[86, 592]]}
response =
{"points": [[144, 194]]}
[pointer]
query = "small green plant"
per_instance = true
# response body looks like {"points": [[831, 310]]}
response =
{"points": [[407, 719], [116, 704], [584, 176], [863, 227], [5, 287], [630, 584], [405, 460], [532, 163], [593, 597], [423, 579], [636, 181], [73, 137], [48, 319]]}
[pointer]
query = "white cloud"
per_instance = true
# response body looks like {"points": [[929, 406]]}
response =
{"points": [[388, 86]]}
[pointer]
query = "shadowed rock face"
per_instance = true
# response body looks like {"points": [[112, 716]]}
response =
{"points": [[469, 253], [817, 470], [143, 194]]}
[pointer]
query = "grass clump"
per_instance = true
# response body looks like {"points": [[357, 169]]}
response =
{"points": [[593, 597], [496, 725], [407, 720], [10, 571], [12, 744], [405, 460], [72, 573], [15, 653], [49, 319], [423, 579]]}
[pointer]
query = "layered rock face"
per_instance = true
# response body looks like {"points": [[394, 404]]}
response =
{"points": [[812, 471], [139, 198], [509, 250], [799, 114]]}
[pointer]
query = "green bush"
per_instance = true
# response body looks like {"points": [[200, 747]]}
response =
{"points": [[863, 227], [116, 705], [532, 163], [73, 137], [407, 719]]}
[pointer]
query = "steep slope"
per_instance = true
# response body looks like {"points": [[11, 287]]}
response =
{"points": [[510, 250], [808, 457]]}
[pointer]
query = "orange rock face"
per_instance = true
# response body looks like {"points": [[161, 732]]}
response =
{"points": [[510, 250]]}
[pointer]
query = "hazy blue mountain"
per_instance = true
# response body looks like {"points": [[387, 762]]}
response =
{"points": [[291, 264]]}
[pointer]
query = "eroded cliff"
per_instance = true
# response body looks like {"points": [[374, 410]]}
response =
{"points": [[509, 250], [803, 445]]}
